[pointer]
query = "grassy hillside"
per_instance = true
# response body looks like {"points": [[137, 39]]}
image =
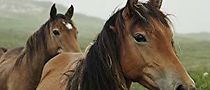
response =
{"points": [[193, 53], [16, 26], [204, 36], [18, 22]]}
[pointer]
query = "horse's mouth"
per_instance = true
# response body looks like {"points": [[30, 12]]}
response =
{"points": [[149, 83]]}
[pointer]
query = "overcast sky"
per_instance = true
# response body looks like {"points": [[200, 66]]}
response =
{"points": [[189, 15]]}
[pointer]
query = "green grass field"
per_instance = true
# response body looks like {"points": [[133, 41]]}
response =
{"points": [[192, 49]]}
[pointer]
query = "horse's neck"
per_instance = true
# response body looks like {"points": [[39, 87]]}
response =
{"points": [[34, 60], [29, 65], [36, 52], [29, 68]]}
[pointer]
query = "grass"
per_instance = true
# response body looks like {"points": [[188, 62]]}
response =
{"points": [[202, 81]]}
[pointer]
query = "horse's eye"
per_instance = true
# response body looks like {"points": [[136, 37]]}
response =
{"points": [[56, 32], [139, 38]]}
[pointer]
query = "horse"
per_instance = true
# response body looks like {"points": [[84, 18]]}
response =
{"points": [[22, 71], [135, 45], [2, 51], [55, 71], [54, 74]]}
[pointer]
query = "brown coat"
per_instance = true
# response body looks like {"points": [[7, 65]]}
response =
{"points": [[57, 70]]}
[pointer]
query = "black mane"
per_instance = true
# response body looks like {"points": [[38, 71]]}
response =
{"points": [[99, 70]]}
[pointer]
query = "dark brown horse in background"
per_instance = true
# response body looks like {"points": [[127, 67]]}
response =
{"points": [[135, 45], [22, 70], [2, 51]]}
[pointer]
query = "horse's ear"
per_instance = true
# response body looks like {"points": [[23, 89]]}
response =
{"points": [[53, 12], [129, 7], [4, 49], [70, 13], [156, 3]]}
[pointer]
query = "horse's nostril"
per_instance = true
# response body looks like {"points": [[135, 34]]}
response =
{"points": [[180, 87], [183, 87]]}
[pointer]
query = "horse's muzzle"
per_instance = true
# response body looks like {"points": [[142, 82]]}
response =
{"points": [[185, 87]]}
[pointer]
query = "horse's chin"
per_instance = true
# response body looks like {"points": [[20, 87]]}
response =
{"points": [[149, 83], [153, 88], [152, 85]]}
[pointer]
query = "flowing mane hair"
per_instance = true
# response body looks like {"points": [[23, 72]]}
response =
{"points": [[35, 42], [101, 69]]}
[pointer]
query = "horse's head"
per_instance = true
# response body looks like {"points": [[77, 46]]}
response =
{"points": [[147, 52], [62, 31]]}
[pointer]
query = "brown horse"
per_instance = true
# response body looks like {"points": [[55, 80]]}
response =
{"points": [[2, 51], [135, 45], [23, 70], [56, 70]]}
